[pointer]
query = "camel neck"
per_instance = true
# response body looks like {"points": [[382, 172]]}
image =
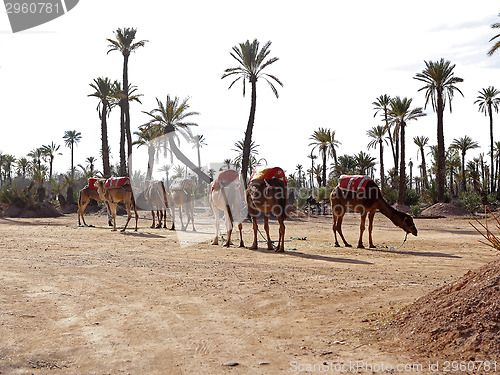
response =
{"points": [[387, 210]]}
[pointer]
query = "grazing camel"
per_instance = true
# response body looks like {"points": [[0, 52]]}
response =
{"points": [[266, 193], [89, 192], [361, 194], [226, 195], [114, 195], [156, 197], [182, 195]]}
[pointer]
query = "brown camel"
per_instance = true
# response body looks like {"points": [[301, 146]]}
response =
{"points": [[268, 194], [115, 195], [84, 197], [156, 197], [182, 195], [361, 194]]}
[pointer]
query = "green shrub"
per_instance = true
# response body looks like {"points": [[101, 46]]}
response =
{"points": [[470, 201], [411, 197], [415, 210]]}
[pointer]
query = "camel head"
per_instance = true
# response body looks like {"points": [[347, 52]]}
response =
{"points": [[408, 225], [99, 185]]}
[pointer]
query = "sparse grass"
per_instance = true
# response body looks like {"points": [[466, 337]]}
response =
{"points": [[491, 239]]}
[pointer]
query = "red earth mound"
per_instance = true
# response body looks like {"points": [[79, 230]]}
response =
{"points": [[460, 321], [43, 210], [445, 210]]}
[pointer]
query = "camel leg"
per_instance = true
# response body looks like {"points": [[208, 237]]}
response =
{"points": [[191, 211], [371, 215], [229, 228], [334, 228], [164, 213], [339, 229], [135, 213], [266, 228], [159, 215], [217, 225], [129, 216], [281, 241], [240, 227], [154, 218], [112, 207], [81, 210], [255, 229], [361, 230], [172, 215]]}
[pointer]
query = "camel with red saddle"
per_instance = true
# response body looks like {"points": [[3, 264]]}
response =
{"points": [[88, 192], [226, 195], [361, 194], [182, 195], [114, 191], [156, 196], [267, 193]]}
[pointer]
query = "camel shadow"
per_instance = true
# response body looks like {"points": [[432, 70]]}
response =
{"points": [[416, 253], [141, 234], [315, 257]]}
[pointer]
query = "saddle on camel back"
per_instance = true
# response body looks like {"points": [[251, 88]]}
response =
{"points": [[91, 183], [225, 178], [266, 173], [117, 182], [356, 184], [185, 185]]}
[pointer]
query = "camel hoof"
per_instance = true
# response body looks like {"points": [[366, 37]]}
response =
{"points": [[214, 243], [337, 245], [152, 226], [253, 247], [361, 247], [279, 250], [241, 244], [226, 245], [347, 245], [373, 247]]}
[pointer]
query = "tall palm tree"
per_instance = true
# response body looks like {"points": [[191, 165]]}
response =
{"points": [[22, 166], [239, 147], [332, 145], [400, 113], [105, 91], [463, 145], [364, 162], [321, 139], [488, 101], [382, 104], [166, 168], [148, 135], [171, 118], [346, 165], [72, 138], [8, 161], [496, 46], [421, 142], [123, 98], [91, 164], [440, 81], [377, 134], [50, 152], [299, 168], [199, 142], [312, 157], [124, 43], [36, 154], [252, 62]]}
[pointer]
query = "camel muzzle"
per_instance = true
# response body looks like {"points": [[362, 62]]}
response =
{"points": [[413, 230]]}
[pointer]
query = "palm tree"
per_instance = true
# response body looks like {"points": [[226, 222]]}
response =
{"points": [[199, 142], [463, 145], [346, 165], [421, 142], [252, 62], [50, 151], [239, 147], [124, 43], [332, 145], [36, 154], [299, 168], [495, 47], [105, 91], [227, 163], [377, 134], [488, 101], [400, 114], [91, 164], [123, 98], [170, 117], [22, 166], [382, 104], [148, 136], [440, 84], [364, 162], [321, 140], [312, 157], [72, 138], [166, 168], [8, 161]]}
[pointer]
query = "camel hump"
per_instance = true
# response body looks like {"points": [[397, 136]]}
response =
{"points": [[186, 185], [116, 182], [268, 173], [225, 178], [356, 184]]}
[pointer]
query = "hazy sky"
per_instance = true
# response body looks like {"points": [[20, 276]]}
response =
{"points": [[335, 59]]}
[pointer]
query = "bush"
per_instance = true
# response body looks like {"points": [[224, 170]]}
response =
{"points": [[470, 201], [17, 197], [415, 210], [411, 197]]}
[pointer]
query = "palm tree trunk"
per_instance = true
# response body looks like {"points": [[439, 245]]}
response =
{"points": [[151, 160], [382, 182], [123, 165], [248, 134], [492, 172], [441, 160], [72, 164], [104, 143], [424, 169], [464, 183], [188, 163], [402, 168], [324, 167], [126, 111]]}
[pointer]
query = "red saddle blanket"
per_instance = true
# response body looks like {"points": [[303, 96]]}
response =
{"points": [[225, 178], [92, 182], [262, 173], [356, 184], [116, 182]]}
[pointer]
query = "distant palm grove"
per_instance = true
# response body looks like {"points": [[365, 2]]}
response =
{"points": [[441, 174]]}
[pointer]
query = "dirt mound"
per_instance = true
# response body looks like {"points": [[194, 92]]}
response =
{"points": [[459, 320], [445, 210], [43, 210]]}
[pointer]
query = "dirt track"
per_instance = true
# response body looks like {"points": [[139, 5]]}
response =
{"points": [[78, 300]]}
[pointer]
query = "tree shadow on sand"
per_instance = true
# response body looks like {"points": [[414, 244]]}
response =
{"points": [[315, 257], [416, 253]]}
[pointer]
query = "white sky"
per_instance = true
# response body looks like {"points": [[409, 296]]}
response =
{"points": [[335, 59]]}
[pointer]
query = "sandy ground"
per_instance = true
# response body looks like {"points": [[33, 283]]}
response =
{"points": [[80, 300]]}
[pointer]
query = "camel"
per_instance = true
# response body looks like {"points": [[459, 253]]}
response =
{"points": [[226, 195], [114, 195], [267, 193], [157, 199], [182, 195], [84, 197], [361, 194]]}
